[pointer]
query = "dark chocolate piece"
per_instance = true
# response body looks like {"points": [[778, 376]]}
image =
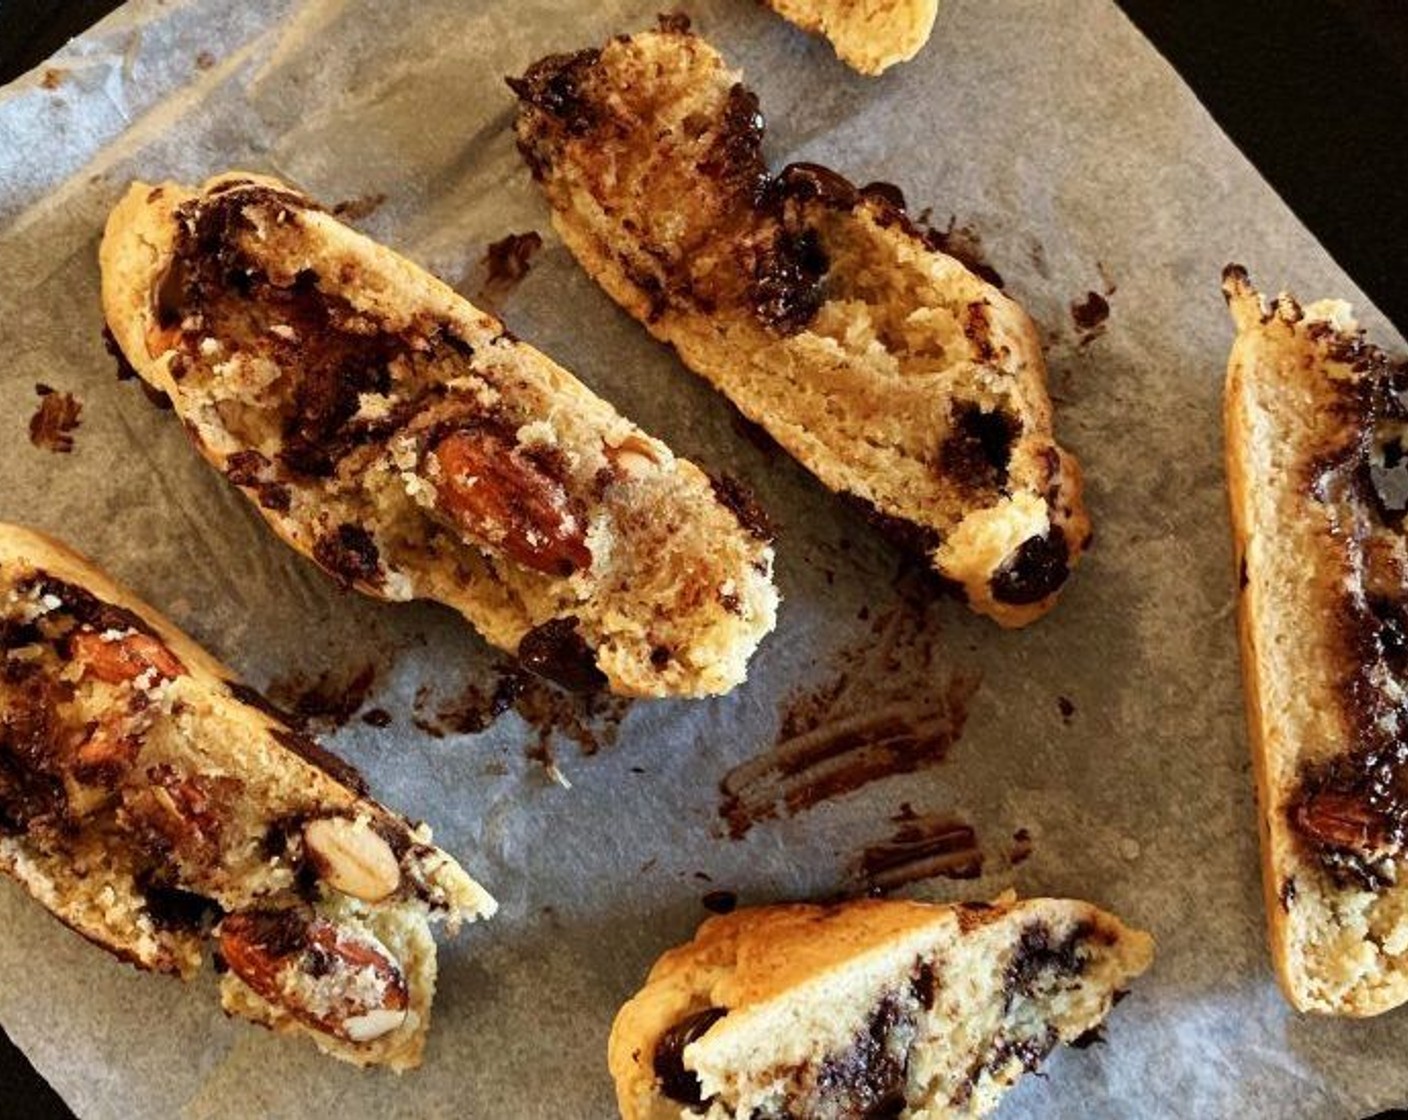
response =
{"points": [[350, 554], [1037, 569], [556, 650], [676, 1082]]}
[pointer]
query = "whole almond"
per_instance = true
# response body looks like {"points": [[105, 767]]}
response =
{"points": [[352, 858]]}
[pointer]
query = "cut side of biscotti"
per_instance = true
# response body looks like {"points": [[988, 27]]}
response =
{"points": [[1317, 466], [868, 1008], [411, 446], [821, 310], [154, 805], [869, 35]]}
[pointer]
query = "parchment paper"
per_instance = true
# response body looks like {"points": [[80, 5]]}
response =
{"points": [[1057, 133]]}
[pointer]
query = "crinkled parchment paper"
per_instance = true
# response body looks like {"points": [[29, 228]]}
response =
{"points": [[1057, 133]]}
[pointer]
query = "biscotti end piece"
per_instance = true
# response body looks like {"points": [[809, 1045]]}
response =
{"points": [[158, 807], [1315, 425], [869, 35], [407, 443], [867, 1008], [828, 316]]}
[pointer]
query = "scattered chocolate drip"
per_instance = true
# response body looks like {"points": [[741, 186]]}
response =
{"points": [[328, 701], [506, 262], [52, 78], [889, 711], [377, 717], [52, 425], [590, 720], [1021, 850], [720, 902], [923, 847], [740, 501], [355, 209], [1090, 315], [204, 60], [1067, 708]]}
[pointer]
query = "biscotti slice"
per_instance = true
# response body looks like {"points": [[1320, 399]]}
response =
{"points": [[887, 368], [868, 1008], [869, 35], [1317, 427], [150, 802], [409, 444]]}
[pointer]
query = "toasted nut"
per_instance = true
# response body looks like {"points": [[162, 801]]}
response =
{"points": [[635, 455], [352, 858], [496, 494], [336, 980], [1342, 820], [121, 659]]}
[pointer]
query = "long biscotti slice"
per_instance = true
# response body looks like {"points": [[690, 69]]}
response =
{"points": [[868, 1008], [869, 35], [405, 441], [1317, 426], [145, 794], [887, 368]]}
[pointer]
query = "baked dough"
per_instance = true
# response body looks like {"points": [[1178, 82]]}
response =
{"points": [[1316, 423], [868, 1008], [869, 35], [144, 794], [409, 444], [823, 312]]}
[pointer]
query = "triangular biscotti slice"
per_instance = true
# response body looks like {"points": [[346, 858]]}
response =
{"points": [[886, 367], [145, 794], [868, 1008], [1317, 430], [409, 444], [869, 35]]}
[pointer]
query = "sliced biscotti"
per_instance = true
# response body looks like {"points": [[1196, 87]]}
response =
{"points": [[1317, 468], [868, 1008], [414, 448], [151, 802], [869, 35], [887, 368]]}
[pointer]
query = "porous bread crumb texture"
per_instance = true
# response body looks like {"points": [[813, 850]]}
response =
{"points": [[1315, 421], [867, 1008], [406, 442], [869, 35], [153, 805], [822, 311]]}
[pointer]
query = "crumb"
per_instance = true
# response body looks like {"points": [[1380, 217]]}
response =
{"points": [[204, 60], [52, 425]]}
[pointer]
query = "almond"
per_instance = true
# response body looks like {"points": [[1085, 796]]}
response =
{"points": [[495, 493], [352, 858], [635, 456], [336, 980], [120, 659]]}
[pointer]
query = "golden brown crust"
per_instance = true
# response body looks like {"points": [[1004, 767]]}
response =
{"points": [[141, 786], [1308, 408], [403, 440], [869, 35], [765, 997], [826, 315]]}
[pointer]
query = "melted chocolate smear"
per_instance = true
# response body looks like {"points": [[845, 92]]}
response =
{"points": [[1021, 847], [53, 422], [889, 712], [676, 1082], [1089, 316], [978, 448], [355, 209], [1066, 706], [739, 500], [554, 85], [720, 902], [868, 1079], [313, 752], [556, 650], [1037, 569], [327, 702], [927, 847], [506, 262], [1039, 958]]}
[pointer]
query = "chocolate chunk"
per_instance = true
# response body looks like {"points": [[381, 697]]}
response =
{"points": [[1037, 958], [1037, 569], [739, 500], [557, 651], [83, 606], [867, 1080], [978, 448], [676, 1082], [786, 291], [807, 182], [174, 908], [350, 554], [720, 902], [554, 85]]}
